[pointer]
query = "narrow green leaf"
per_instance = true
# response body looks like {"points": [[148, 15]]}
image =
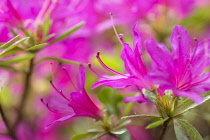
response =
{"points": [[11, 52], [17, 59], [139, 116], [184, 102], [14, 45], [128, 109], [121, 123], [111, 100], [124, 136], [193, 106], [185, 131], [60, 60], [96, 137], [37, 47], [118, 132], [5, 45], [46, 38], [81, 136], [8, 67], [69, 32], [156, 123]]}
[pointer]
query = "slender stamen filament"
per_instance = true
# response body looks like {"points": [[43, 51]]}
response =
{"points": [[69, 78], [89, 65], [106, 67], [59, 91], [114, 28]]}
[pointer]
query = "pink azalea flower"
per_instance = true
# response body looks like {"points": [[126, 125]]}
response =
{"points": [[79, 103], [180, 70], [135, 67]]}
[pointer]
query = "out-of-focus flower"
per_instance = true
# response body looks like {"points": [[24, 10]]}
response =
{"points": [[79, 103], [180, 8], [180, 70], [134, 66]]}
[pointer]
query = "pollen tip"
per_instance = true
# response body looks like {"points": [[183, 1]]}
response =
{"points": [[63, 68], [110, 14], [60, 90], [195, 39], [179, 37], [46, 104], [41, 99], [51, 63], [51, 81]]}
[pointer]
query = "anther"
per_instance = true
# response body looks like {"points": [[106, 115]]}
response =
{"points": [[63, 68], [98, 53], [41, 99], [195, 39], [121, 37], [179, 37], [89, 65]]}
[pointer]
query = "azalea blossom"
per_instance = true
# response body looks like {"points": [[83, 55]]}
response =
{"points": [[78, 104], [135, 67], [180, 70]]}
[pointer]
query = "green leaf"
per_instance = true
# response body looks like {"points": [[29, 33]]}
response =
{"points": [[69, 32], [13, 46], [124, 136], [185, 131], [5, 45], [128, 108], [81, 136], [96, 137], [60, 60], [193, 106], [8, 67], [156, 123], [149, 95], [139, 116], [110, 100], [121, 124], [17, 59], [118, 132], [37, 47], [12, 52]]}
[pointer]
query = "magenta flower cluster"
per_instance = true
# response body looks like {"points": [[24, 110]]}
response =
{"points": [[180, 70]]}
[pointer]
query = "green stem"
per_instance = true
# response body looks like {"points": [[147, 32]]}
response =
{"points": [[165, 125], [9, 128], [25, 92]]}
